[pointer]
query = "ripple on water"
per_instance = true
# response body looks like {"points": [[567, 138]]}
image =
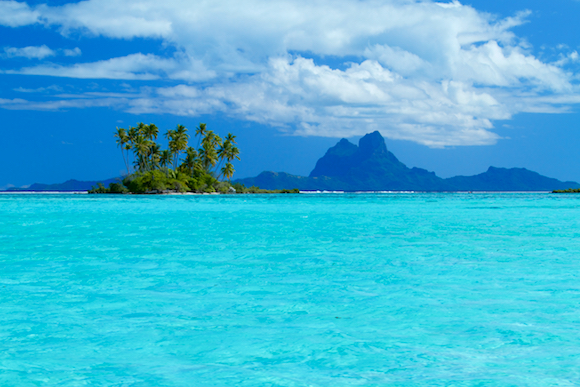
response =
{"points": [[290, 290]]}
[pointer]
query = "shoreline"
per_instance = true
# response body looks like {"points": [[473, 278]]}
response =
{"points": [[268, 193]]}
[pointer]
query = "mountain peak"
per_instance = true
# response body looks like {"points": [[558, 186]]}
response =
{"points": [[342, 148], [348, 161], [372, 143], [371, 167]]}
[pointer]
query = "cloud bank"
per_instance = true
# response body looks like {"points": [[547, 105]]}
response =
{"points": [[438, 74]]}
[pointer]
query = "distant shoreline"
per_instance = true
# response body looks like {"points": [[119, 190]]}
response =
{"points": [[306, 192]]}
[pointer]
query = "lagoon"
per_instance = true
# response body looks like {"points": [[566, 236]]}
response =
{"points": [[290, 290]]}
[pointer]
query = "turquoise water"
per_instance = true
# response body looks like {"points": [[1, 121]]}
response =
{"points": [[290, 290]]}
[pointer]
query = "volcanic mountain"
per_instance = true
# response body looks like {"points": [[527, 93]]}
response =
{"points": [[371, 167]]}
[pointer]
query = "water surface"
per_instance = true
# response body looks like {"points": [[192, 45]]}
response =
{"points": [[290, 290]]}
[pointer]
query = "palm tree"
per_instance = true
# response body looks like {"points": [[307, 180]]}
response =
{"points": [[231, 138], [228, 152], [191, 160], [180, 139], [141, 147], [200, 131], [128, 147], [122, 140], [165, 158], [228, 171], [224, 149], [170, 135], [155, 155], [142, 129], [222, 152], [132, 133], [213, 152], [208, 150], [233, 153], [151, 131]]}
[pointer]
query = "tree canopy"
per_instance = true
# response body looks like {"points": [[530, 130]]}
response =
{"points": [[180, 167], [206, 168]]}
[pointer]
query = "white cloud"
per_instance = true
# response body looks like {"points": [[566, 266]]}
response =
{"points": [[242, 36], [63, 104], [30, 52], [16, 14], [15, 102], [401, 61], [38, 52], [453, 4], [322, 101], [130, 67], [435, 73], [74, 52], [38, 89], [571, 57]]}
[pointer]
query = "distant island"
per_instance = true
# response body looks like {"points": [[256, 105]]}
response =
{"points": [[151, 169], [371, 167], [179, 169], [345, 167]]}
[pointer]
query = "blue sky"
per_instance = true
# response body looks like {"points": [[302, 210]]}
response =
{"points": [[454, 87]]}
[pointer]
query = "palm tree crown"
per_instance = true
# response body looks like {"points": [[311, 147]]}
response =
{"points": [[202, 166]]}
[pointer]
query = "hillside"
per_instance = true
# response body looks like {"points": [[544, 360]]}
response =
{"points": [[371, 167]]}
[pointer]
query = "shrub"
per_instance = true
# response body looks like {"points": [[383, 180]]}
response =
{"points": [[99, 189], [239, 187], [146, 181], [179, 186], [222, 187], [117, 188]]}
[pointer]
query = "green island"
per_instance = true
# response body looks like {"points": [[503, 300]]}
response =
{"points": [[569, 190], [180, 168]]}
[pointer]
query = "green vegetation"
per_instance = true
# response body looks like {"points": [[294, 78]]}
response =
{"points": [[180, 168], [240, 188], [569, 190], [114, 188]]}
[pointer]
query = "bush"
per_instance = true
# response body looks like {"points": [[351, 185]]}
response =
{"points": [[179, 186], [117, 188], [209, 189], [239, 187], [222, 187], [99, 189], [147, 181], [203, 182]]}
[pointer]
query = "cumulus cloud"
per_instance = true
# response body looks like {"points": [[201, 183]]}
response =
{"points": [[437, 73], [327, 102], [571, 57], [30, 52], [74, 52], [16, 14]]}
